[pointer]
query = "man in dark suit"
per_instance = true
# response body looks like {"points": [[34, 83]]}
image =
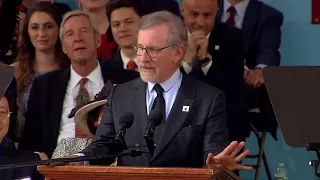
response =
{"points": [[124, 18], [215, 55], [55, 94], [193, 131], [261, 27], [8, 152]]}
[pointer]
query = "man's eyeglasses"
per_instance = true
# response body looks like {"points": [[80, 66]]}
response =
{"points": [[152, 52], [4, 114]]}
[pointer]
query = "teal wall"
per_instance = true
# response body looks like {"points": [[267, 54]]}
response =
{"points": [[300, 46]]}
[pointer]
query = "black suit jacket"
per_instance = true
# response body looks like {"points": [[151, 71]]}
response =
{"points": [[114, 61], [226, 73], [187, 137], [43, 115], [262, 33], [10, 155]]}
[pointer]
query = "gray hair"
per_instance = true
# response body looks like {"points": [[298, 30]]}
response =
{"points": [[70, 14], [176, 29]]}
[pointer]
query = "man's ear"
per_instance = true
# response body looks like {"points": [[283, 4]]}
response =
{"points": [[98, 39], [63, 48], [179, 52]]}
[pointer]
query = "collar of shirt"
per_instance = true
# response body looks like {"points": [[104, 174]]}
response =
{"points": [[189, 34], [94, 76], [240, 7], [126, 60], [168, 84]]}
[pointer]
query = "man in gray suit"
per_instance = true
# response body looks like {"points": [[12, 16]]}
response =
{"points": [[193, 132]]}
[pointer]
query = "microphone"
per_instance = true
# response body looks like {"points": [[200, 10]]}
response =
{"points": [[126, 121], [64, 161], [155, 119]]}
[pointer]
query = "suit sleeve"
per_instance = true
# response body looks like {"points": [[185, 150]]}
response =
{"points": [[30, 139], [270, 40], [102, 142], [216, 136]]}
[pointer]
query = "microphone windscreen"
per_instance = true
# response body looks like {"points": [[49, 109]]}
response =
{"points": [[156, 116], [127, 119]]}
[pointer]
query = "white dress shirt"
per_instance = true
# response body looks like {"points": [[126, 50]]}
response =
{"points": [[170, 87], [240, 12], [187, 68], [94, 85], [125, 60]]}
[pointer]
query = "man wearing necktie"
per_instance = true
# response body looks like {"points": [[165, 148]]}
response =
{"points": [[215, 55], [193, 132], [261, 27], [124, 19]]}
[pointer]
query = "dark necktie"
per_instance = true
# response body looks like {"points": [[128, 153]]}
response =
{"points": [[159, 104], [232, 12], [131, 65], [82, 98]]}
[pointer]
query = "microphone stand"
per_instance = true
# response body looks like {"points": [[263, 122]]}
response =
{"points": [[120, 142], [148, 137], [64, 161]]}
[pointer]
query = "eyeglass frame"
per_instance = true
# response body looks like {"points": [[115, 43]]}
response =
{"points": [[135, 49], [7, 116]]}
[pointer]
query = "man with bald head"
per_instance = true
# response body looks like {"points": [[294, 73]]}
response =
{"points": [[215, 55]]}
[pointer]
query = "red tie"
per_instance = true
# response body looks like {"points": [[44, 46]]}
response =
{"points": [[82, 98], [132, 65], [232, 12]]}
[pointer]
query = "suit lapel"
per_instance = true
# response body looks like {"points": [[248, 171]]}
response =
{"points": [[177, 117], [138, 105], [214, 45], [58, 93], [250, 21], [219, 13], [118, 60]]}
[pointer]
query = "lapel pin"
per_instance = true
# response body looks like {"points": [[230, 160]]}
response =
{"points": [[216, 47], [185, 109]]}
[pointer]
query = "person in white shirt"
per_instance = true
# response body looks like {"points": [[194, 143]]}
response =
{"points": [[124, 18], [54, 95]]}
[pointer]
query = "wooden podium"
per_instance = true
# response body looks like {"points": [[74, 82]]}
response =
{"points": [[132, 173]]}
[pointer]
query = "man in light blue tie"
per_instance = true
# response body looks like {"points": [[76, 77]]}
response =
{"points": [[193, 132]]}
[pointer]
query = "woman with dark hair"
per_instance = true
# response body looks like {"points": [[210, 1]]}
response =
{"points": [[9, 17], [39, 49]]}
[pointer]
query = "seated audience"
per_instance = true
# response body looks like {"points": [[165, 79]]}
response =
{"points": [[55, 94], [9, 154], [9, 18], [87, 118], [124, 18], [98, 11], [215, 55], [40, 52], [261, 27]]}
